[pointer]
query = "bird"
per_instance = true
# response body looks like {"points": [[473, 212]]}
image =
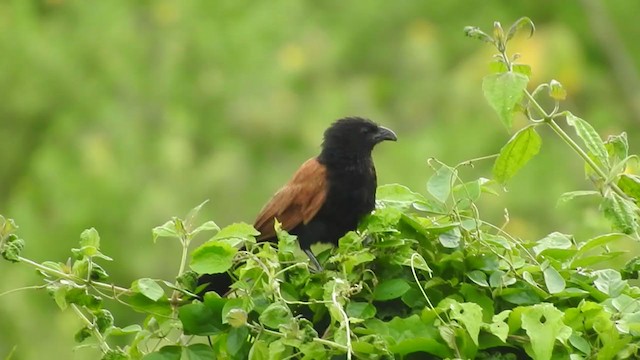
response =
{"points": [[328, 195]]}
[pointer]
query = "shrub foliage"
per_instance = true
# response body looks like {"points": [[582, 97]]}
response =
{"points": [[423, 277]]}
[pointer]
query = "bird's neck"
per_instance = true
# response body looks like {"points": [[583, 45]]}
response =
{"points": [[345, 160]]}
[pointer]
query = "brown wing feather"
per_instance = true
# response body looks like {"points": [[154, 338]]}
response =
{"points": [[297, 202]]}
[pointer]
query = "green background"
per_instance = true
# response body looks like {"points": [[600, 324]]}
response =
{"points": [[121, 114]]}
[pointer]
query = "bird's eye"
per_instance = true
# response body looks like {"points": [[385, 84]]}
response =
{"points": [[366, 130]]}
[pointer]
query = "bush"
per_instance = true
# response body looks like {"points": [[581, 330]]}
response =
{"points": [[423, 277]]}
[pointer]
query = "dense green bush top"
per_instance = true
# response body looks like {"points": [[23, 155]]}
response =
{"points": [[425, 276]]}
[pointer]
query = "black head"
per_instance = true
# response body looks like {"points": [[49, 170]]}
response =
{"points": [[355, 136]]}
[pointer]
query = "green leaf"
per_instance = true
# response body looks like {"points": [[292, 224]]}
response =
{"points": [[167, 229], [207, 226], [439, 185], [275, 315], [236, 234], [543, 324], [390, 289], [503, 92], [203, 318], [450, 239], [498, 326], [621, 213], [478, 277], [237, 342], [590, 138], [470, 315], [198, 352], [597, 242], [523, 146], [360, 310], [259, 350], [555, 240], [519, 25], [568, 196], [617, 147], [193, 213], [399, 196], [90, 237], [630, 185], [580, 343], [169, 352], [467, 193], [149, 288], [610, 282], [523, 69], [552, 278], [212, 257]]}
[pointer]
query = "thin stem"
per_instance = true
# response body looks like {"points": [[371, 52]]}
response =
{"points": [[73, 278], [558, 130], [91, 326], [535, 104], [259, 329], [334, 299]]}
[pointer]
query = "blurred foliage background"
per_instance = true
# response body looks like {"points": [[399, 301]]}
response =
{"points": [[120, 114]]}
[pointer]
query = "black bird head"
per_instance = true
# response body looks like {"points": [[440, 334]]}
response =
{"points": [[354, 135]]}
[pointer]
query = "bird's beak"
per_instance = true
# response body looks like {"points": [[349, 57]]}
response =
{"points": [[385, 134]]}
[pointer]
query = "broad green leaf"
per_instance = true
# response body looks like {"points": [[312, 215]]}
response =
{"points": [[467, 193], [580, 343], [169, 352], [275, 315], [439, 185], [236, 233], [396, 195], [470, 315], [259, 350], [478, 277], [610, 282], [198, 352], [360, 310], [409, 335], [597, 242], [148, 288], [543, 324], [498, 326], [503, 92], [630, 185], [237, 342], [621, 213], [552, 278], [203, 318], [212, 257], [555, 240], [523, 146], [590, 138], [450, 239], [390, 289]]}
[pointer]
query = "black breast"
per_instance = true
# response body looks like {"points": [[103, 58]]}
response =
{"points": [[351, 196]]}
